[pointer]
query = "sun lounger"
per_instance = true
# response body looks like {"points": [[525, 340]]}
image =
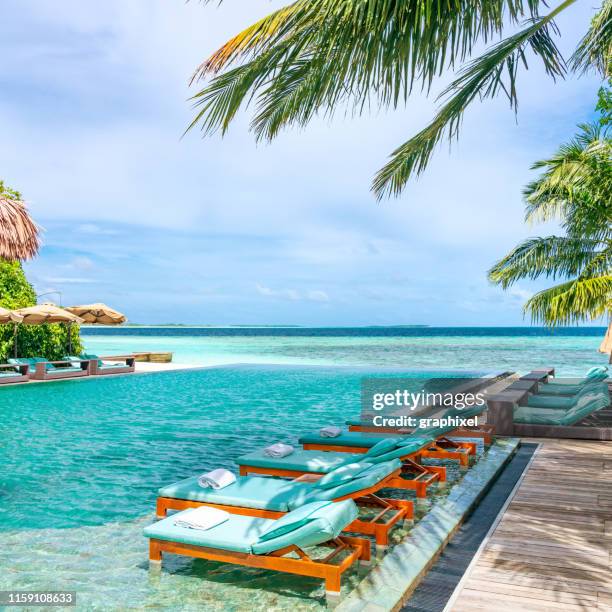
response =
{"points": [[11, 373], [272, 497], [440, 446], [42, 369], [567, 402], [587, 404], [267, 543], [119, 364], [415, 476], [572, 387]]}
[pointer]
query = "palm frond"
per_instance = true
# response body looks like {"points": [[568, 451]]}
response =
{"points": [[554, 256], [595, 49], [485, 77], [572, 302], [311, 56]]}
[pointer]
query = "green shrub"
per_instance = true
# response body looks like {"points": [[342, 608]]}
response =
{"points": [[49, 341]]}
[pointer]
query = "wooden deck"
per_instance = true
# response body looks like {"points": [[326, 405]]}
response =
{"points": [[552, 549]]}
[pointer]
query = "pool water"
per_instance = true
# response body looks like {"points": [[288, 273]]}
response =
{"points": [[82, 461]]}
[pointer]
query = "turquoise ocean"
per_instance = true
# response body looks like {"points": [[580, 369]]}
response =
{"points": [[570, 350]]}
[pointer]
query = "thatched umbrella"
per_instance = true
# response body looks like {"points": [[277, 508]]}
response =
{"points": [[19, 234], [98, 314], [48, 313], [606, 345]]}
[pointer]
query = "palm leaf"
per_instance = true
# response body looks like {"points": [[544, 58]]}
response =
{"points": [[572, 302], [312, 56], [595, 49], [495, 71], [555, 256]]}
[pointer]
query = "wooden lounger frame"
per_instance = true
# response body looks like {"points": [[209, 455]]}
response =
{"points": [[21, 373], [41, 373], [128, 368], [391, 510], [484, 431], [302, 566], [438, 449]]}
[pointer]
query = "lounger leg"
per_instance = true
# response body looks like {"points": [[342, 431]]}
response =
{"points": [[161, 508], [155, 554], [332, 587]]}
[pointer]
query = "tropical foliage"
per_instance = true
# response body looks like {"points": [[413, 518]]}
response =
{"points": [[576, 187], [49, 341], [315, 56]]}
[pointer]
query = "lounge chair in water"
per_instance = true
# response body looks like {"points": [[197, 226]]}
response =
{"points": [[439, 447], [42, 369], [572, 387], [120, 364], [586, 404], [407, 450], [567, 402], [11, 373], [482, 431], [273, 497], [267, 543]]}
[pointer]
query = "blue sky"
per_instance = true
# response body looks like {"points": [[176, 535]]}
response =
{"points": [[222, 231]]}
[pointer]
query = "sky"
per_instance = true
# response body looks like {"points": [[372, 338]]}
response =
{"points": [[173, 229]]}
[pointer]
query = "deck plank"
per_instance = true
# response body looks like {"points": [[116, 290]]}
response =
{"points": [[552, 549]]}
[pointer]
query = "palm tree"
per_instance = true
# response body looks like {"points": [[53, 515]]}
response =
{"points": [[576, 186], [314, 56], [19, 234]]}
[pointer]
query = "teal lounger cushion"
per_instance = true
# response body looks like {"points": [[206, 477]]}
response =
{"points": [[275, 494], [565, 388], [292, 520], [31, 361], [383, 446], [250, 491], [365, 480], [325, 522], [555, 416], [597, 373], [315, 461], [92, 357], [346, 438], [566, 402], [411, 444], [242, 533], [342, 474]]}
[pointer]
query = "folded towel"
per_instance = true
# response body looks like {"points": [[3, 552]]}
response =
{"points": [[278, 450], [201, 518], [217, 479], [330, 432]]}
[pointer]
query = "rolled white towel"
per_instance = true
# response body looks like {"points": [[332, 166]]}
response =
{"points": [[217, 479], [330, 432], [201, 518], [278, 450]]}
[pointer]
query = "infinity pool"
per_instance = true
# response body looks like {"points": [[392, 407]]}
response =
{"points": [[82, 461]]}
